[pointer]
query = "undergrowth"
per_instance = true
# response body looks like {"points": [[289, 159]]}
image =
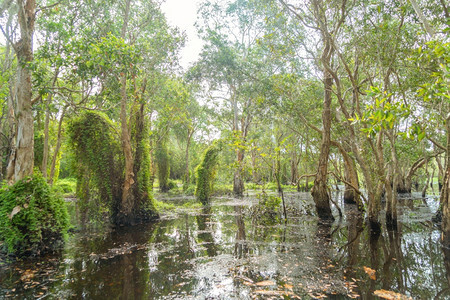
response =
{"points": [[33, 218]]}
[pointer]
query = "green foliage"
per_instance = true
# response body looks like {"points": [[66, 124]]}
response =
{"points": [[205, 173], [33, 218], [382, 114], [66, 186], [98, 163], [162, 161], [38, 147], [436, 56], [223, 189]]}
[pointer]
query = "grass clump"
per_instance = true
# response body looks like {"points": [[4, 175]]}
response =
{"points": [[33, 218]]}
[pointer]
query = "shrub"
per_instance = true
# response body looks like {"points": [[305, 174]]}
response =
{"points": [[33, 218], [66, 186]]}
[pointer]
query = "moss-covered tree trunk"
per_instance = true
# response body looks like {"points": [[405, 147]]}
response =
{"points": [[205, 173], [163, 164]]}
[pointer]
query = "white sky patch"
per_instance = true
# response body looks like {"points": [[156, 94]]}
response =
{"points": [[183, 14]]}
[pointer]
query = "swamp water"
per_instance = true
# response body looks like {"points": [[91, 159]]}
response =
{"points": [[228, 252]]}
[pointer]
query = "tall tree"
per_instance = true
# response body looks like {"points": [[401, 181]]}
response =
{"points": [[21, 160]]}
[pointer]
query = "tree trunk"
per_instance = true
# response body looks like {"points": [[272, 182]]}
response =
{"points": [[57, 148], [351, 175], [427, 182], [238, 182], [391, 191], [441, 173], [46, 137], [320, 190], [23, 159], [445, 193], [127, 202], [188, 143]]}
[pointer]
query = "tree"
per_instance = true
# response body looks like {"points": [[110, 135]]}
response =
{"points": [[21, 159]]}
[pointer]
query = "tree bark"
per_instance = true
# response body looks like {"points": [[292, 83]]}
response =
{"points": [[391, 191], [320, 190], [127, 197], [187, 178], [46, 137], [445, 193], [57, 148], [23, 159]]}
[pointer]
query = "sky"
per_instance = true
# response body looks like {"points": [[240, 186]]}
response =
{"points": [[183, 14]]}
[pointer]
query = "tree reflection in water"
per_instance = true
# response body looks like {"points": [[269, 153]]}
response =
{"points": [[201, 253], [205, 228], [240, 246]]}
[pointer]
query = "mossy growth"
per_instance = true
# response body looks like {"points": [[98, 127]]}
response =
{"points": [[206, 172], [163, 163], [98, 163], [33, 218]]}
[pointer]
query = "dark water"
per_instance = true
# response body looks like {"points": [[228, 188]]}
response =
{"points": [[226, 252]]}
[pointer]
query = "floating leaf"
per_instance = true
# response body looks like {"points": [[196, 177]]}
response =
{"points": [[370, 272], [274, 293], [265, 283], [390, 295]]}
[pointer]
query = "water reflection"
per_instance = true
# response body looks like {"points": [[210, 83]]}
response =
{"points": [[354, 229], [222, 252], [240, 246]]}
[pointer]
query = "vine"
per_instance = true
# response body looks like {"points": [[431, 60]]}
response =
{"points": [[206, 172]]}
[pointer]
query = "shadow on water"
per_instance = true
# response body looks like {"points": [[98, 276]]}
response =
{"points": [[225, 252]]}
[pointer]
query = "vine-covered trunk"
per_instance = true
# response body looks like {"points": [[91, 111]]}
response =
{"points": [[320, 190]]}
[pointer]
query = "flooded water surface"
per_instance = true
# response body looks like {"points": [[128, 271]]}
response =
{"points": [[227, 251]]}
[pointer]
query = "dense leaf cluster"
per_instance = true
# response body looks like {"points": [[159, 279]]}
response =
{"points": [[206, 172], [99, 165], [33, 218]]}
